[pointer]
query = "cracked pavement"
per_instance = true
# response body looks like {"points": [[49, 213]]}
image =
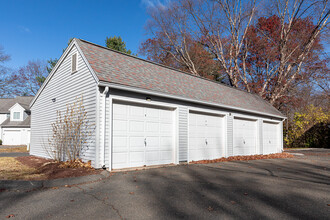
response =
{"points": [[269, 189]]}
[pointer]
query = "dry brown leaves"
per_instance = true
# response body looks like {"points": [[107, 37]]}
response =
{"points": [[242, 158], [78, 163]]}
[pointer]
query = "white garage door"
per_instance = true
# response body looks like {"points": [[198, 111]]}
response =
{"points": [[11, 137], [245, 138], [270, 137], [206, 136], [142, 136]]}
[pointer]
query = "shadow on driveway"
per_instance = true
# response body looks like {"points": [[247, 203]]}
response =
{"points": [[263, 189]]}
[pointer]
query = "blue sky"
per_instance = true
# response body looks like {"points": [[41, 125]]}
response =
{"points": [[40, 29]]}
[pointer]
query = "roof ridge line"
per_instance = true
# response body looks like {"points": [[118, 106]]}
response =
{"points": [[162, 65]]}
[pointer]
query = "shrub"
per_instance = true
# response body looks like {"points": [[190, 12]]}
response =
{"points": [[70, 133], [0, 142], [309, 128]]}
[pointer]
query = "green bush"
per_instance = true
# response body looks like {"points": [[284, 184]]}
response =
{"points": [[0, 142], [310, 129]]}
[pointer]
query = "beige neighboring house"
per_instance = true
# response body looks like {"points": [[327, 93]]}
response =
{"points": [[15, 120]]}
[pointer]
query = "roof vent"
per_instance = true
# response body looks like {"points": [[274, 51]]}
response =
{"points": [[74, 63]]}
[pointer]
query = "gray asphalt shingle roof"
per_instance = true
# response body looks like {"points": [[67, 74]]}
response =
{"points": [[6, 104], [12, 124], [118, 68]]}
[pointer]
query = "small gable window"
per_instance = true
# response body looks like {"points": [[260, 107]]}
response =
{"points": [[74, 63], [17, 115]]}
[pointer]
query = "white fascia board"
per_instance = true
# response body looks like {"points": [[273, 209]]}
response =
{"points": [[59, 62], [145, 91]]}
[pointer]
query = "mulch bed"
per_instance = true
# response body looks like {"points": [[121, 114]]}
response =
{"points": [[243, 158], [53, 170]]}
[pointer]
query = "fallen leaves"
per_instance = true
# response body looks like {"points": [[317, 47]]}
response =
{"points": [[78, 163], [210, 209], [243, 158], [10, 216], [132, 193]]}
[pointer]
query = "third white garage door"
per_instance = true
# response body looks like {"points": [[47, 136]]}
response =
{"points": [[271, 136], [245, 137], [142, 135], [206, 136]]}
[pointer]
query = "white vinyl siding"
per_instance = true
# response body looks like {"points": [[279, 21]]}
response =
{"points": [[64, 87], [230, 136], [183, 134]]}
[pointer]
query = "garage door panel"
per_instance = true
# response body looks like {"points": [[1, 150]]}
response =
{"points": [[152, 127], [152, 113], [166, 128], [121, 144], [149, 134], [270, 138], [166, 142], [136, 112], [120, 111], [166, 156], [165, 115], [136, 143], [136, 159], [245, 134], [121, 160], [120, 125], [11, 137], [136, 126], [206, 136]]}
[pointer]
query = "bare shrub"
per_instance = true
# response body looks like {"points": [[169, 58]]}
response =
{"points": [[70, 133]]}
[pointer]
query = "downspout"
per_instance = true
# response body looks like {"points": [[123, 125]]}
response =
{"points": [[104, 126]]}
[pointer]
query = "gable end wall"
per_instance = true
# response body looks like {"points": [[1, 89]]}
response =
{"points": [[64, 87]]}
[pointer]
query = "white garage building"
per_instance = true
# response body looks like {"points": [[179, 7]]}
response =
{"points": [[15, 120], [149, 114]]}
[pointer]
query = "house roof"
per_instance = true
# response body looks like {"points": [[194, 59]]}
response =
{"points": [[6, 104], [17, 124], [122, 69]]}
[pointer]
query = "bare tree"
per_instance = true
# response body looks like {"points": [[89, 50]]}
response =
{"points": [[292, 59], [5, 77], [32, 76], [222, 28]]}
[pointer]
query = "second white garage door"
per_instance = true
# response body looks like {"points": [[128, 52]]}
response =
{"points": [[271, 136], [142, 136], [206, 136], [245, 137]]}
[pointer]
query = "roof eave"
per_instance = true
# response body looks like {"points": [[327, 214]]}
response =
{"points": [[145, 91]]}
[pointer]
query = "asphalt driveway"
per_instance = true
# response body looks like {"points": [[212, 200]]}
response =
{"points": [[295, 188]]}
